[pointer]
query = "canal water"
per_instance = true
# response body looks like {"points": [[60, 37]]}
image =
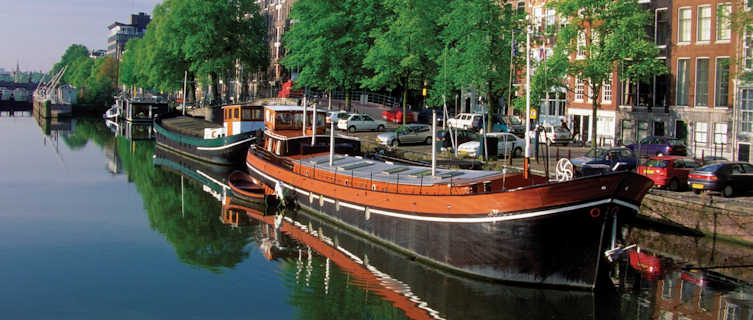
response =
{"points": [[98, 222]]}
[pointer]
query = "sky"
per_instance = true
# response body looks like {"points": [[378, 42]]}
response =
{"points": [[35, 33]]}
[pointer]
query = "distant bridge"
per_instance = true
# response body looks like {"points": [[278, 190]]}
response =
{"points": [[30, 86]]}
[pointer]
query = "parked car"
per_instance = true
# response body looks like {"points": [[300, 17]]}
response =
{"points": [[729, 178], [466, 121], [396, 116], [514, 125], [600, 160], [658, 145], [556, 135], [669, 172], [337, 115], [506, 142], [424, 116], [361, 122], [409, 133], [462, 136]]}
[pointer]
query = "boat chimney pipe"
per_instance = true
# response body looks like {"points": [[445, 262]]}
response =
{"points": [[434, 143], [313, 126], [331, 142]]}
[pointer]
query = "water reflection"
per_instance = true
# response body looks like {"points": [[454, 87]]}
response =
{"points": [[328, 272]]}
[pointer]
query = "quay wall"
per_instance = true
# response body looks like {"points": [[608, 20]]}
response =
{"points": [[727, 220]]}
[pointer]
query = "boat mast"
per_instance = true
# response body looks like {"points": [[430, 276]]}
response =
{"points": [[526, 168], [433, 142], [304, 111], [313, 125], [185, 77], [331, 142]]}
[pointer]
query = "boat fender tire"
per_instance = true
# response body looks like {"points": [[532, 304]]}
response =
{"points": [[595, 212]]}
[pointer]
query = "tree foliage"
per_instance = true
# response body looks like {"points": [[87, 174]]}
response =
{"points": [[405, 49], [478, 36], [608, 34], [329, 41], [205, 38], [95, 79]]}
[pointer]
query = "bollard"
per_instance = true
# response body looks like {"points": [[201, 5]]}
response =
{"points": [[569, 154], [558, 154], [703, 157]]}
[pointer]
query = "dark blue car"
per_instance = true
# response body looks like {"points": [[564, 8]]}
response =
{"points": [[729, 178], [601, 160], [660, 146]]}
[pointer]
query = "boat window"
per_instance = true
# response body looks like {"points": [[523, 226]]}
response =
{"points": [[236, 113], [298, 119], [395, 170], [257, 115], [373, 187], [284, 118], [246, 115]]}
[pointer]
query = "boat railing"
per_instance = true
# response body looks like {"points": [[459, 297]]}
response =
{"points": [[415, 189]]}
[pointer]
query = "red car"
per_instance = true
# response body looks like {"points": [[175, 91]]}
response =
{"points": [[669, 172], [396, 116]]}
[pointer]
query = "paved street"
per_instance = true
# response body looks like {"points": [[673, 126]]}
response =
{"points": [[555, 153]]}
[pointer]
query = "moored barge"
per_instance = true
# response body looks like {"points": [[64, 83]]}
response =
{"points": [[223, 144], [483, 224]]}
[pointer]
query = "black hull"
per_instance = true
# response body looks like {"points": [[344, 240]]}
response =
{"points": [[563, 249], [226, 156], [416, 281]]}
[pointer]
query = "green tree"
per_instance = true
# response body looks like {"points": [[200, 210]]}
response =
{"points": [[73, 53], [603, 34], [205, 37], [478, 36], [405, 49], [329, 41]]}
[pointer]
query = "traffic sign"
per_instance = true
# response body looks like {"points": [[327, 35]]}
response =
{"points": [[533, 114]]}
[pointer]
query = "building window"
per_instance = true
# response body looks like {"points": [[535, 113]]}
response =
{"points": [[606, 92], [701, 131], [723, 27], [746, 108], [579, 89], [642, 129], [628, 132], [722, 82], [683, 30], [662, 27], [702, 82], [704, 24], [683, 80], [581, 44], [554, 104], [720, 133]]}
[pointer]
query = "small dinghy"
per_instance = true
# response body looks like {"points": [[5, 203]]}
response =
{"points": [[245, 186]]}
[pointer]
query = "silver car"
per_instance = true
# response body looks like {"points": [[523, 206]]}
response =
{"points": [[410, 133]]}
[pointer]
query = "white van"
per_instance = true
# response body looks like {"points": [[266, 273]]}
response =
{"points": [[466, 121]]}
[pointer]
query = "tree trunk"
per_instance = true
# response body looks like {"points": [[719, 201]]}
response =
{"points": [[405, 99], [347, 99], [489, 108]]}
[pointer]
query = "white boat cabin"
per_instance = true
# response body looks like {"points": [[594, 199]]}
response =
{"points": [[279, 118], [242, 118]]}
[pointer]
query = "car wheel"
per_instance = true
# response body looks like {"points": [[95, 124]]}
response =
{"points": [[428, 140], [517, 152], [673, 185], [697, 191], [352, 129], [728, 191], [380, 128]]}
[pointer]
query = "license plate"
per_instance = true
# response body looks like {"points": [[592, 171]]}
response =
{"points": [[697, 186], [650, 171]]}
